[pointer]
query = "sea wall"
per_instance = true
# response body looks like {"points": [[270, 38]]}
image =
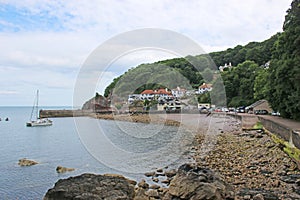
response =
{"points": [[284, 132], [247, 121], [64, 113]]}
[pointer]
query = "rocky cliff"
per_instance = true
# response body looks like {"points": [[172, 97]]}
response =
{"points": [[97, 103]]}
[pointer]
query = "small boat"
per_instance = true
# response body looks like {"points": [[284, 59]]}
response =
{"points": [[35, 120]]}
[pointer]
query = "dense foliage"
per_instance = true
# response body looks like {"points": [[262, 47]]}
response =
{"points": [[285, 66]]}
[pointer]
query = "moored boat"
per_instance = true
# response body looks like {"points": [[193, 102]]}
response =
{"points": [[37, 120]]}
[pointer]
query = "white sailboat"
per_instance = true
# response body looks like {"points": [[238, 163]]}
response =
{"points": [[34, 117]]}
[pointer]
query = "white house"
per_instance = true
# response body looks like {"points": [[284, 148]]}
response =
{"points": [[147, 94], [178, 92], [221, 68], [133, 97], [204, 88]]}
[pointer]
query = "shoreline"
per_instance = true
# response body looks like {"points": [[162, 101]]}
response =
{"points": [[138, 118], [250, 161]]}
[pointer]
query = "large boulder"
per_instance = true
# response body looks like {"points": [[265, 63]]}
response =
{"points": [[195, 183], [91, 186]]}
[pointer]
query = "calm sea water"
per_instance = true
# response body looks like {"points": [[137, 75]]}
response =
{"points": [[93, 146]]}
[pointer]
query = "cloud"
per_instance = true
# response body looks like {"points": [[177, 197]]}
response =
{"points": [[8, 92], [47, 42]]}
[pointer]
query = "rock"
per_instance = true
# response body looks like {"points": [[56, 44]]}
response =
{"points": [[143, 184], [140, 194], [167, 181], [91, 186], [154, 187], [247, 197], [258, 197], [159, 170], [152, 193], [60, 169], [159, 174], [171, 173], [298, 182], [148, 174], [155, 180], [26, 162], [276, 183], [258, 192], [196, 183]]}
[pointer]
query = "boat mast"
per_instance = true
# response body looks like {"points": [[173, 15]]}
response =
{"points": [[37, 104]]}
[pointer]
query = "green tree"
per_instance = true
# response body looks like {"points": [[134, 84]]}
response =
{"points": [[261, 84], [285, 66]]}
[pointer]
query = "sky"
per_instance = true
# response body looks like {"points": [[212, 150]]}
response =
{"points": [[44, 43]]}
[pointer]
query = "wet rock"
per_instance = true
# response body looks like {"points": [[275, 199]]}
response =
{"points": [[268, 195], [148, 174], [292, 178], [154, 187], [166, 181], [159, 170], [26, 162], [152, 193], [91, 186], [258, 197], [196, 183], [171, 173], [143, 184], [155, 180], [140, 194], [159, 174], [60, 169]]}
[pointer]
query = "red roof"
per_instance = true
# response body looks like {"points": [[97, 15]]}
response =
{"points": [[148, 92], [159, 91], [162, 91], [204, 85]]}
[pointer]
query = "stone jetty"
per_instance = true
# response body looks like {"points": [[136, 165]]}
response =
{"points": [[64, 113]]}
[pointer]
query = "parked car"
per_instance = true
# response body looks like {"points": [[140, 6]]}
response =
{"points": [[224, 109], [261, 112], [203, 110], [275, 113], [241, 109], [231, 109]]}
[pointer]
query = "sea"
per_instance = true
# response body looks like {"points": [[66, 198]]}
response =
{"points": [[86, 144]]}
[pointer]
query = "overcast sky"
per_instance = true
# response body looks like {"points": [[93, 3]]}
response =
{"points": [[45, 43]]}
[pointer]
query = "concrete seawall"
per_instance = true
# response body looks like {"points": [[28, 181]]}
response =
{"points": [[283, 131], [64, 113], [247, 121]]}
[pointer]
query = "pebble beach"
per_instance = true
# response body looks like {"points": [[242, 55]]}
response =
{"points": [[250, 161]]}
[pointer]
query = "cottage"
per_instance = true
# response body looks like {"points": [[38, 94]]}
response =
{"points": [[225, 67], [133, 97], [204, 88], [147, 95], [178, 92]]}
